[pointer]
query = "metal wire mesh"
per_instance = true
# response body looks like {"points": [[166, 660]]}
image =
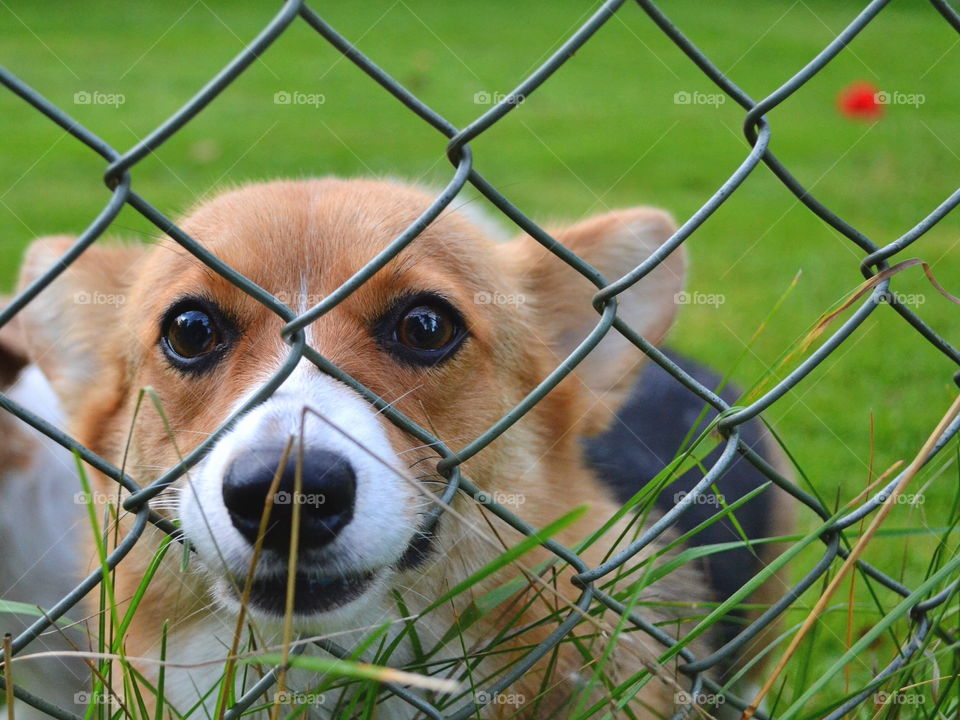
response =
{"points": [[757, 131]]}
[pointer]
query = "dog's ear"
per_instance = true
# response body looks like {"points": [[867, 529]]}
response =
{"points": [[13, 349], [65, 328], [614, 244]]}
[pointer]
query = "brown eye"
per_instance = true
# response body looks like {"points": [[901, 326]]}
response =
{"points": [[195, 335], [426, 328], [422, 329], [192, 334]]}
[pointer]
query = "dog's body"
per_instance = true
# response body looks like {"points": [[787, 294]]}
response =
{"points": [[421, 334], [660, 417]]}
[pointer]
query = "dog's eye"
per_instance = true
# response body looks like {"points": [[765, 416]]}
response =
{"points": [[192, 334], [426, 328], [195, 335]]}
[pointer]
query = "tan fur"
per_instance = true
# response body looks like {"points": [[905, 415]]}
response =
{"points": [[313, 235]]}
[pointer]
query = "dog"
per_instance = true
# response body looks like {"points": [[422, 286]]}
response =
{"points": [[40, 528], [454, 332]]}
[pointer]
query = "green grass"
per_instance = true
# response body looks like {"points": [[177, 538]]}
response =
{"points": [[605, 132]]}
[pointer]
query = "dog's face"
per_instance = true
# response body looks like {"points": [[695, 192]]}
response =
{"points": [[453, 332]]}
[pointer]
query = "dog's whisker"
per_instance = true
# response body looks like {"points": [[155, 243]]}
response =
{"points": [[398, 399], [417, 462], [425, 479], [432, 444]]}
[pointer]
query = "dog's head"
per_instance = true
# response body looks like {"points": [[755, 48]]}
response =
{"points": [[453, 332]]}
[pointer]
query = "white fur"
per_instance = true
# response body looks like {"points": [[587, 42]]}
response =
{"points": [[383, 524], [384, 519], [40, 526]]}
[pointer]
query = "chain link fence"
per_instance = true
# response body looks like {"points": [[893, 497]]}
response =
{"points": [[919, 604]]}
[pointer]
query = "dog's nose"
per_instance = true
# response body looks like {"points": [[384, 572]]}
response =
{"points": [[326, 496]]}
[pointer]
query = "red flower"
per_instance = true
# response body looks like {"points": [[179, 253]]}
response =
{"points": [[859, 101]]}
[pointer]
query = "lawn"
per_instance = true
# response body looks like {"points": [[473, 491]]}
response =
{"points": [[605, 132]]}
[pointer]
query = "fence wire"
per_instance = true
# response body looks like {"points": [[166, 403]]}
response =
{"points": [[757, 131]]}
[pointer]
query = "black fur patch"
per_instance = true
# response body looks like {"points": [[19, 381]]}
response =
{"points": [[646, 436]]}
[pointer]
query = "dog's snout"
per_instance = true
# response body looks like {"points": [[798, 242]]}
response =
{"points": [[325, 498]]}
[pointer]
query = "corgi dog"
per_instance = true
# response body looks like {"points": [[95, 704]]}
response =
{"points": [[41, 529], [453, 332]]}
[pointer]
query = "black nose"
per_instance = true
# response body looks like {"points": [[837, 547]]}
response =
{"points": [[326, 497]]}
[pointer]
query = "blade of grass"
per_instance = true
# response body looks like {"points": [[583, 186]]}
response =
{"points": [[141, 590], [162, 672], [12, 607], [510, 555], [356, 670], [854, 555], [226, 689], [292, 555], [8, 673], [901, 610]]}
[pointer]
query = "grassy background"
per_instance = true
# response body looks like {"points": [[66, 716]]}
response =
{"points": [[605, 132]]}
